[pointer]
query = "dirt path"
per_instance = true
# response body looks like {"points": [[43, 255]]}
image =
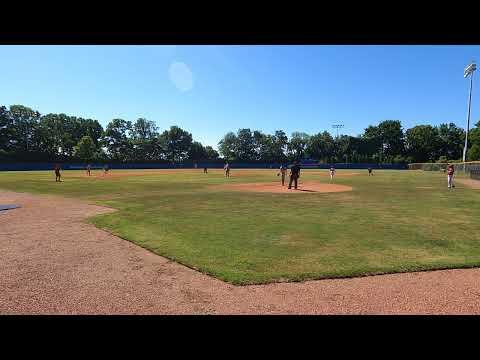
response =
{"points": [[52, 262], [474, 184]]}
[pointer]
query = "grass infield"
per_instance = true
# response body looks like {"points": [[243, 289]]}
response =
{"points": [[394, 221]]}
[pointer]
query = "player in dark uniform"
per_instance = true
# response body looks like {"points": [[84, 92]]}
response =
{"points": [[88, 169], [370, 171], [294, 174], [58, 176], [205, 171]]}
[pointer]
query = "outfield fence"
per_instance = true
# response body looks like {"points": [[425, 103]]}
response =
{"points": [[475, 174], [305, 164], [466, 167]]}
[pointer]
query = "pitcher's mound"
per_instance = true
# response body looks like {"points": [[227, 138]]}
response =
{"points": [[304, 187]]}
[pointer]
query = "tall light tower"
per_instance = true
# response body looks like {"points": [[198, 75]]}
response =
{"points": [[468, 72], [337, 126]]}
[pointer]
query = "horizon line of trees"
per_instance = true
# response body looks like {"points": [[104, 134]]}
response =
{"points": [[386, 142], [27, 135]]}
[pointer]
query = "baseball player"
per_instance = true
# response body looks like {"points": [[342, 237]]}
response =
{"points": [[205, 171], [283, 172], [332, 172], [370, 171], [294, 174], [227, 169], [450, 173], [58, 176], [88, 169]]}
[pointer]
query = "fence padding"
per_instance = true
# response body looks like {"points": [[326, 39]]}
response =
{"points": [[466, 167], [25, 166]]}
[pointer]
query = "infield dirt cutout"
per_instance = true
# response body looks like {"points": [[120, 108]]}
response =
{"points": [[276, 187]]}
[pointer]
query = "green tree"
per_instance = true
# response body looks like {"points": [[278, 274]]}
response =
{"points": [[474, 136], [51, 135], [297, 145], [392, 138], [117, 140], [92, 128], [5, 130], [272, 147], [385, 141], [143, 140], [372, 141], [176, 143], [144, 129], [85, 149], [71, 135], [473, 154], [451, 141], [422, 143], [211, 153], [279, 146], [342, 148], [197, 151], [245, 147], [228, 146], [23, 127], [321, 146], [261, 146]]}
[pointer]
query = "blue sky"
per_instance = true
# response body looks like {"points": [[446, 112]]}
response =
{"points": [[210, 90]]}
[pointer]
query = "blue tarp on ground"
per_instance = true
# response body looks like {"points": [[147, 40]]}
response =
{"points": [[8, 207]]}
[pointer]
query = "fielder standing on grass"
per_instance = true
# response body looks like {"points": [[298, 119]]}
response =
{"points": [[332, 172], [370, 171], [88, 169], [227, 169], [450, 172], [58, 176], [294, 174], [283, 172]]}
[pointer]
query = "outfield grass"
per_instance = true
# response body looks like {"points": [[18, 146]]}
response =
{"points": [[386, 224]]}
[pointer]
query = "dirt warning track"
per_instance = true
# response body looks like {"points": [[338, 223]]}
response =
{"points": [[53, 262]]}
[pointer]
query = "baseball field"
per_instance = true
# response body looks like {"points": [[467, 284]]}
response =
{"points": [[247, 229]]}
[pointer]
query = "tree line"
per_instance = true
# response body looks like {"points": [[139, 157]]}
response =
{"points": [[27, 135], [386, 142]]}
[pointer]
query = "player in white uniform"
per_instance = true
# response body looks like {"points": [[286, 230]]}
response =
{"points": [[332, 172], [450, 173], [283, 172], [227, 170]]}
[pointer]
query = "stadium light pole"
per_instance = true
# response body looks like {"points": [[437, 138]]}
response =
{"points": [[337, 126], [468, 71]]}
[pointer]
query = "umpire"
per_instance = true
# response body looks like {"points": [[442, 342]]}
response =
{"points": [[294, 174]]}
